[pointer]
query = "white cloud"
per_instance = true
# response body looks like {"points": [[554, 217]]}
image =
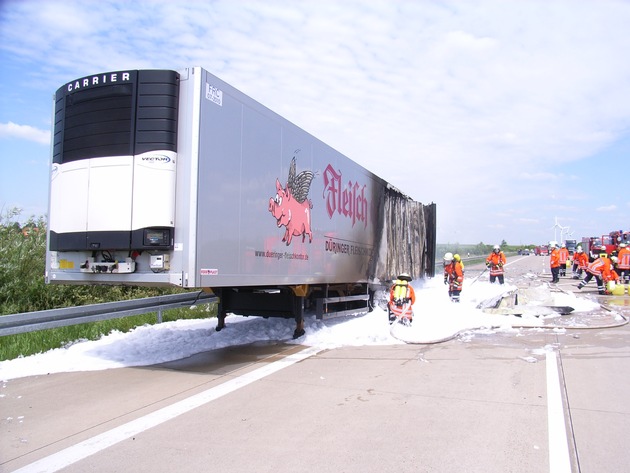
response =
{"points": [[24, 132], [607, 208], [492, 97]]}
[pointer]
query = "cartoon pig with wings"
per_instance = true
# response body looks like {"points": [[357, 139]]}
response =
{"points": [[291, 208]]}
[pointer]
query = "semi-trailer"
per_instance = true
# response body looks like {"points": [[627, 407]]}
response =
{"points": [[176, 178]]}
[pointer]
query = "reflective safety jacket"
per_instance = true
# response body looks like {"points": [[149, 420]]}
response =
{"points": [[495, 262], [454, 275], [600, 267], [581, 259], [623, 258], [554, 260]]}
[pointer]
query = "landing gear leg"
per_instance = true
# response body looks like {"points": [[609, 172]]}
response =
{"points": [[298, 310], [221, 314]]}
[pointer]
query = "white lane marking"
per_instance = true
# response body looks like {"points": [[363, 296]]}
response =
{"points": [[559, 459], [70, 455]]}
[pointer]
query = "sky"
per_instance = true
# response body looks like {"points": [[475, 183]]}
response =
{"points": [[435, 319], [512, 116]]}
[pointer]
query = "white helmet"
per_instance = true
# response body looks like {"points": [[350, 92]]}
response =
{"points": [[496, 248], [553, 244], [622, 245], [448, 257], [579, 249]]}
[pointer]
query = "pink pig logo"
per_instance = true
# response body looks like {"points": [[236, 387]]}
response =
{"points": [[291, 208]]}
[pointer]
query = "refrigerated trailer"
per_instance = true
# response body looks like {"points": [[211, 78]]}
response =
{"points": [[176, 178]]}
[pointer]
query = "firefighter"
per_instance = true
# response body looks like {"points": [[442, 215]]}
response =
{"points": [[623, 263], [401, 299], [580, 262], [495, 262], [564, 258], [554, 261], [600, 269], [453, 276]]}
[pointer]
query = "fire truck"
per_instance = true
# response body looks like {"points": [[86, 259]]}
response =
{"points": [[619, 236], [606, 243], [541, 250]]}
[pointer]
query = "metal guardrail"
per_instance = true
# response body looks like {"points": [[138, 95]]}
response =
{"points": [[44, 319], [439, 265]]}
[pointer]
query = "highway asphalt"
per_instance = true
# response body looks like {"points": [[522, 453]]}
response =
{"points": [[532, 400]]}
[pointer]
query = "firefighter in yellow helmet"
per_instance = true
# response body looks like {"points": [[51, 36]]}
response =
{"points": [[401, 299], [453, 276]]}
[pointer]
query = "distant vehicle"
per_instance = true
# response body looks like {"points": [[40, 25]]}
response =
{"points": [[592, 246], [571, 246], [541, 250], [606, 243], [596, 245], [524, 252], [619, 236]]}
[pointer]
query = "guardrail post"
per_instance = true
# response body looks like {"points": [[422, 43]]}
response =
{"points": [[159, 316]]}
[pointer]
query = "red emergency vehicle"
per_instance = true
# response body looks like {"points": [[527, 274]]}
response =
{"points": [[541, 250]]}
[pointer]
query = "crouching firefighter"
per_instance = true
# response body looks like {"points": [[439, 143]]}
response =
{"points": [[600, 270], [453, 276], [401, 298]]}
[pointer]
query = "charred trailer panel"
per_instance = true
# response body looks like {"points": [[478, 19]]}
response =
{"points": [[176, 178]]}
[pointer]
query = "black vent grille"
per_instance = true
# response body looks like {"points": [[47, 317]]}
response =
{"points": [[134, 117]]}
